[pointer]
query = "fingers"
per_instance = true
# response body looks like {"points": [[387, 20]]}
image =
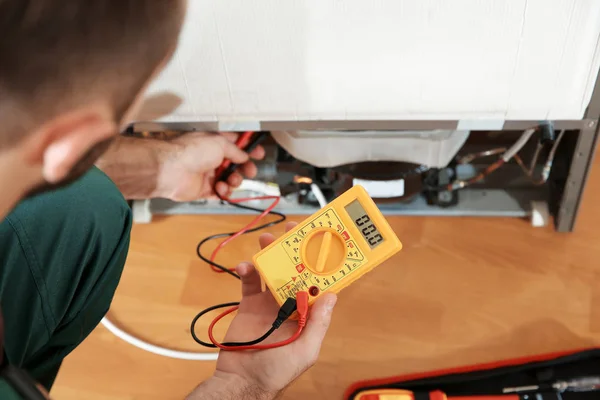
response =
{"points": [[235, 180], [231, 136], [234, 153], [251, 282], [318, 323], [249, 170], [258, 153], [265, 239], [290, 225], [223, 189]]}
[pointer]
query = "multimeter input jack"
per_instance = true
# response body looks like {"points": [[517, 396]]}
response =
{"points": [[313, 291]]}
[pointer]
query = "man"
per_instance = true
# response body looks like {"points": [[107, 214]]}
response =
{"points": [[72, 74]]}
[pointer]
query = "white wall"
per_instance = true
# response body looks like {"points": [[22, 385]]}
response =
{"points": [[384, 59]]}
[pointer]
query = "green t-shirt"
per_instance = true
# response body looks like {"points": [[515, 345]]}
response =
{"points": [[61, 257], [7, 392]]}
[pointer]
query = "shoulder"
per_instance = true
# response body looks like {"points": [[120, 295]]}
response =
{"points": [[87, 218], [93, 201]]}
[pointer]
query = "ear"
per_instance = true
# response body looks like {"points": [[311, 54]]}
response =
{"points": [[59, 144]]}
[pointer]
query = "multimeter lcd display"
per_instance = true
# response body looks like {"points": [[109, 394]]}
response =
{"points": [[364, 224]]}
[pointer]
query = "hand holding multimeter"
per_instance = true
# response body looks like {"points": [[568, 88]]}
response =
{"points": [[324, 254], [370, 236], [303, 270], [276, 368], [330, 249]]}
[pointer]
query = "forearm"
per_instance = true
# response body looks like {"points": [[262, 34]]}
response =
{"points": [[134, 166], [229, 387]]}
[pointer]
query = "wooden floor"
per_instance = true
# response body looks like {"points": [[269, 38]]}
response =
{"points": [[462, 291]]}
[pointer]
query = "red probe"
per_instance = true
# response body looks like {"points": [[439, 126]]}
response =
{"points": [[241, 142]]}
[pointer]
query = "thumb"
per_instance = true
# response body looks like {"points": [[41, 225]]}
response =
{"points": [[318, 323], [234, 153]]}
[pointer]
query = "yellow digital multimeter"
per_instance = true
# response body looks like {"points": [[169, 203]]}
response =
{"points": [[330, 249]]}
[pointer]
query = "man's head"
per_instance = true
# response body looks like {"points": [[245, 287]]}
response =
{"points": [[71, 74]]}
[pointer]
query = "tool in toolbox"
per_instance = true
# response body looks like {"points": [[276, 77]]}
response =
{"points": [[585, 384], [576, 376], [401, 394], [330, 249]]}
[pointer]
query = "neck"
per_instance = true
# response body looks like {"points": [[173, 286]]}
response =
{"points": [[15, 179]]}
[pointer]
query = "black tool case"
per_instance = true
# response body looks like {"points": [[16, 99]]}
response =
{"points": [[490, 379]]}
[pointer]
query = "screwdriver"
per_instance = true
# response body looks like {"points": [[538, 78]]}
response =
{"points": [[585, 384]]}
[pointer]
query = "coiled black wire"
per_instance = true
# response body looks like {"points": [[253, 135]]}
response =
{"points": [[229, 344]]}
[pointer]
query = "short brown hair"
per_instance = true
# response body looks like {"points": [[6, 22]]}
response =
{"points": [[57, 54]]}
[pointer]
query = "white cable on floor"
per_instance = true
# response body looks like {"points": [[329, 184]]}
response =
{"points": [[318, 194], [161, 351]]}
